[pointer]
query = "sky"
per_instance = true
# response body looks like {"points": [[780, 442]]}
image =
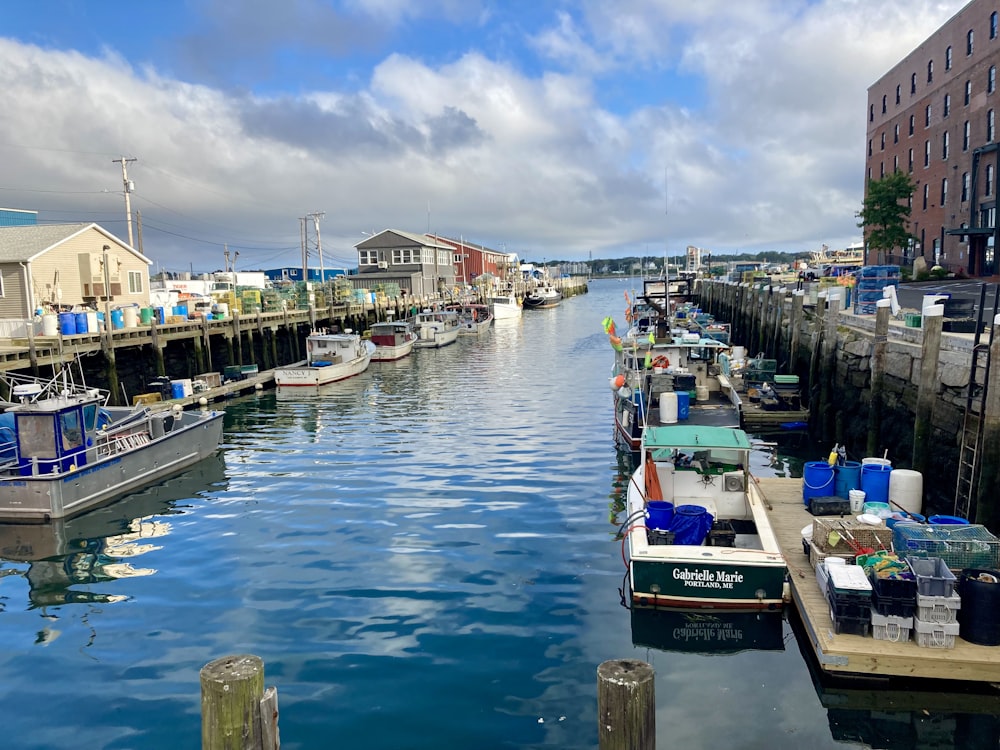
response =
{"points": [[556, 129]]}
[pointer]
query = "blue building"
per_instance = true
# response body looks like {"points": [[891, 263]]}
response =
{"points": [[16, 217]]}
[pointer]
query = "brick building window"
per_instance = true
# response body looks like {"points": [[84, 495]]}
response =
{"points": [[991, 80], [927, 116], [871, 113], [895, 163], [927, 190], [930, 71], [897, 94], [968, 92], [993, 25], [947, 58], [965, 186], [990, 126], [944, 145], [883, 141], [895, 133], [910, 164], [869, 146], [988, 188], [944, 191], [913, 83], [913, 121], [966, 132], [927, 153], [947, 105], [968, 42], [884, 99]]}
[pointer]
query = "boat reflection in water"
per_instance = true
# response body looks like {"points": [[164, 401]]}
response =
{"points": [[707, 631], [99, 546]]}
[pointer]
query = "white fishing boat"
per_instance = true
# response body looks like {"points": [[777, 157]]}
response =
{"points": [[473, 319], [505, 306], [543, 297], [435, 328], [329, 357], [64, 451], [698, 535], [393, 340]]}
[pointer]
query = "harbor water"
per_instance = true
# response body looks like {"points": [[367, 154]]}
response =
{"points": [[424, 556]]}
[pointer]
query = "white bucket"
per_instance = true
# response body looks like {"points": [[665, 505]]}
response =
{"points": [[50, 324], [131, 316], [906, 490], [668, 408], [857, 498], [701, 393], [876, 461], [739, 352]]}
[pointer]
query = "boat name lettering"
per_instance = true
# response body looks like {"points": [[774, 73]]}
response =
{"points": [[73, 476], [705, 578], [705, 633]]}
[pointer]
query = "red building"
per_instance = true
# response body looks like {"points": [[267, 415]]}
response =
{"points": [[472, 260], [934, 115]]}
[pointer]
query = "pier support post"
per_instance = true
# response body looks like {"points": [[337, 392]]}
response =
{"points": [[923, 419], [111, 367], [238, 345], [626, 705], [829, 363], [154, 334], [236, 712], [793, 354], [207, 347], [987, 507], [815, 359], [879, 347]]}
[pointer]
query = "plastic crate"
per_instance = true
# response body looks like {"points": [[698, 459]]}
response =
{"points": [[891, 627], [959, 546], [941, 609], [853, 606], [895, 597], [658, 537], [935, 634], [933, 576]]}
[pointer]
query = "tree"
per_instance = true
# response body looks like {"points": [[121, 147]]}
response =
{"points": [[885, 213]]}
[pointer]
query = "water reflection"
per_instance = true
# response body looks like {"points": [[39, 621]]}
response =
{"points": [[61, 558], [707, 632]]}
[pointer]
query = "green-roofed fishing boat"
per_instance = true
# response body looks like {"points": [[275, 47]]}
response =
{"points": [[698, 535]]}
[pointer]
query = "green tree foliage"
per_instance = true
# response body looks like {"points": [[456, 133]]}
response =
{"points": [[885, 213]]}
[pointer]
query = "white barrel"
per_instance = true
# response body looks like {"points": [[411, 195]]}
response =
{"points": [[668, 407], [130, 315], [906, 489], [92, 326], [222, 308], [701, 393], [739, 352], [857, 499], [50, 324]]}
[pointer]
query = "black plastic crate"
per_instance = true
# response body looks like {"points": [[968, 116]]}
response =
{"points": [[894, 606], [722, 534], [658, 537], [850, 605], [853, 625], [829, 506]]}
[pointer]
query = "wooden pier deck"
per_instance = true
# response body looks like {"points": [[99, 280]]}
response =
{"points": [[853, 654]]}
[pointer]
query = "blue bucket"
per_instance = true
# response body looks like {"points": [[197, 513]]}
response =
{"points": [[660, 514], [67, 323], [683, 404], [691, 524], [875, 482], [176, 389], [948, 521], [846, 478], [817, 480]]}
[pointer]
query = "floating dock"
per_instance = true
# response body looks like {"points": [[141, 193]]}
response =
{"points": [[853, 654]]}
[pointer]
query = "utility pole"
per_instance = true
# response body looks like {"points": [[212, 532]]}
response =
{"points": [[302, 241], [129, 186], [316, 216]]}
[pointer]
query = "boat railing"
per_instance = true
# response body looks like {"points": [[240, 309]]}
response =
{"points": [[28, 388]]}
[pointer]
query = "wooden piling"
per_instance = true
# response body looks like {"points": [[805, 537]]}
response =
{"points": [[987, 505], [626, 705], [236, 712], [793, 347], [877, 404], [815, 358], [927, 391]]}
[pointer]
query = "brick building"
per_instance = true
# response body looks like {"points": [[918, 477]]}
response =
{"points": [[934, 115]]}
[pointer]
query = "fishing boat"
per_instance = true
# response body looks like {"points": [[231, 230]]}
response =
{"points": [[65, 451], [435, 328], [393, 340], [329, 357], [698, 535], [473, 319], [543, 297], [505, 306]]}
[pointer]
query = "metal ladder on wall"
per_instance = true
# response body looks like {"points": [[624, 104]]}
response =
{"points": [[967, 482]]}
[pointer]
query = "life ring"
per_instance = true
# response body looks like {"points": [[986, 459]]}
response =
{"points": [[661, 361]]}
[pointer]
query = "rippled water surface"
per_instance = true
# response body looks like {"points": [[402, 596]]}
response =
{"points": [[424, 557]]}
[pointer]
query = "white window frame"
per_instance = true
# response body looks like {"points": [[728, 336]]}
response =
{"points": [[367, 257], [135, 282]]}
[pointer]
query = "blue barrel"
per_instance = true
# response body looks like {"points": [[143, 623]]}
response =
{"points": [[117, 319], [683, 404], [67, 323], [81, 323], [660, 514], [161, 315], [176, 389], [691, 524], [948, 521], [875, 482], [846, 477], [817, 480]]}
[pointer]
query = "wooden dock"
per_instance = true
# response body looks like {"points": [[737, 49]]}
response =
{"points": [[853, 654]]}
